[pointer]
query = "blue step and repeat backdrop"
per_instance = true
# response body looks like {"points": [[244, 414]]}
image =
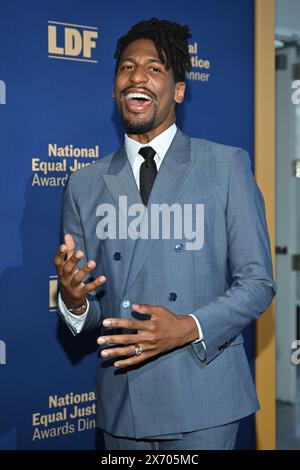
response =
{"points": [[57, 115]]}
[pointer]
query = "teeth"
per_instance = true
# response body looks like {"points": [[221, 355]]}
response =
{"points": [[137, 95]]}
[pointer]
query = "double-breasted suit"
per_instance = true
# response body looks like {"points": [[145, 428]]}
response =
{"points": [[226, 284]]}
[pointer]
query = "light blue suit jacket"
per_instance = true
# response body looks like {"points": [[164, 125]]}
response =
{"points": [[226, 285]]}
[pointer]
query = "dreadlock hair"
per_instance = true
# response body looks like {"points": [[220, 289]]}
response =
{"points": [[170, 40]]}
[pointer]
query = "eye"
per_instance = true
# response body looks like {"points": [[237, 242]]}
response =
{"points": [[155, 69], [127, 67]]}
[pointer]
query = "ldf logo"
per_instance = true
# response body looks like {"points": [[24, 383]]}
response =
{"points": [[71, 41], [2, 352], [2, 92]]}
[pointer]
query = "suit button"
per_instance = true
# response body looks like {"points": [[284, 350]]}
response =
{"points": [[172, 297], [117, 256], [221, 348], [125, 304], [179, 247]]}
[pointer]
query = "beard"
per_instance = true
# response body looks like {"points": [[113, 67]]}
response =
{"points": [[138, 127]]}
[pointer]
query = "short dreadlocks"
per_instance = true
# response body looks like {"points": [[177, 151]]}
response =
{"points": [[169, 38]]}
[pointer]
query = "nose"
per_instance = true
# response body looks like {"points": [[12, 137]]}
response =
{"points": [[138, 75]]}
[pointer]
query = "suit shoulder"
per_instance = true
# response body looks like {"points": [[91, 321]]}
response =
{"points": [[219, 160], [215, 150]]}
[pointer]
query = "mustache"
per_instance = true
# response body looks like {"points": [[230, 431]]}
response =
{"points": [[141, 89]]}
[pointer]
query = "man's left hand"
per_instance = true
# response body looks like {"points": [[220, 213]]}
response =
{"points": [[163, 332]]}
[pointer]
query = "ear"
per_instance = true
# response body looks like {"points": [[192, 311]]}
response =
{"points": [[113, 95], [179, 92]]}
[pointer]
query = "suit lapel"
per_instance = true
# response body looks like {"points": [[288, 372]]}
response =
{"points": [[167, 185], [172, 172], [119, 179]]}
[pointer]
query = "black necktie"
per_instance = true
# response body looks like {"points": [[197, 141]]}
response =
{"points": [[148, 172]]}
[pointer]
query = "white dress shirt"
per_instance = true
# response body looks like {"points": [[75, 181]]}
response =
{"points": [[161, 145]]}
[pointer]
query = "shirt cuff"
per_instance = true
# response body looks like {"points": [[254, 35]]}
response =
{"points": [[75, 321], [200, 338]]}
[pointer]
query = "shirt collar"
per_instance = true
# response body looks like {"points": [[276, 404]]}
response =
{"points": [[160, 144]]}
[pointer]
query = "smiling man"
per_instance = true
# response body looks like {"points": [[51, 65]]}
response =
{"points": [[146, 90], [173, 373]]}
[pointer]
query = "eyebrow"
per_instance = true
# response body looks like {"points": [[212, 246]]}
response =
{"points": [[149, 60]]}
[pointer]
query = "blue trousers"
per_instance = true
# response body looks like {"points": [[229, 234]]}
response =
{"points": [[216, 438]]}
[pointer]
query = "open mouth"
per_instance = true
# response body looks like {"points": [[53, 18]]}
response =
{"points": [[137, 102]]}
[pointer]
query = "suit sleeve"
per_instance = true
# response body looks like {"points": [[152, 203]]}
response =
{"points": [[249, 261], [71, 223]]}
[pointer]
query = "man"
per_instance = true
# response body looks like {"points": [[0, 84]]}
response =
{"points": [[173, 373]]}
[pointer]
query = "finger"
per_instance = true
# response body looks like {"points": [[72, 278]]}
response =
{"points": [[133, 360], [128, 323], [80, 274], [59, 258], [145, 308], [128, 351], [118, 339], [86, 288], [70, 244], [71, 264]]}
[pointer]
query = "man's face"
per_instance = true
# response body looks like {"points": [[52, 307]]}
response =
{"points": [[145, 91]]}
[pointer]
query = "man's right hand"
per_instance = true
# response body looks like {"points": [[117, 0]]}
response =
{"points": [[73, 290]]}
